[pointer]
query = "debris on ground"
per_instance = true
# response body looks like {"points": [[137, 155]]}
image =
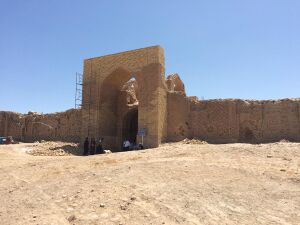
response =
{"points": [[193, 141], [71, 218], [51, 148], [284, 141]]}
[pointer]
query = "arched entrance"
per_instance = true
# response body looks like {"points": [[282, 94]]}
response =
{"points": [[105, 102], [130, 125]]}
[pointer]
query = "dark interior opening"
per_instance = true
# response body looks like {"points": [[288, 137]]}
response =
{"points": [[130, 126]]}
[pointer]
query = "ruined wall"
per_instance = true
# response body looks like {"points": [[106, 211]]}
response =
{"points": [[162, 106], [214, 120], [10, 124], [233, 120], [179, 126], [269, 120], [63, 126]]}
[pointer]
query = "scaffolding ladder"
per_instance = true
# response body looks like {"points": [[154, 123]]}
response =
{"points": [[78, 91]]}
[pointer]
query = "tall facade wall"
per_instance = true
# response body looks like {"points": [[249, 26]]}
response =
{"points": [[103, 79], [63, 126], [233, 120]]}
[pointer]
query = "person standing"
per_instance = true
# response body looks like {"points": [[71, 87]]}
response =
{"points": [[126, 145], [99, 148], [141, 146], [92, 146], [86, 146]]}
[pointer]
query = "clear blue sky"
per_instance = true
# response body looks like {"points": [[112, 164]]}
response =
{"points": [[221, 49]]}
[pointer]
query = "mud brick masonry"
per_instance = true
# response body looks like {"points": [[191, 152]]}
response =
{"points": [[127, 92], [104, 109]]}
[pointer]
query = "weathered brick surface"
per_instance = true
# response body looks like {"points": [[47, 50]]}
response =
{"points": [[233, 120], [63, 126], [162, 105], [102, 111]]}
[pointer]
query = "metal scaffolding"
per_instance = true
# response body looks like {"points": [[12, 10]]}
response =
{"points": [[78, 91]]}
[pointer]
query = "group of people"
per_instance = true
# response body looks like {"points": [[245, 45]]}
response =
{"points": [[127, 145], [90, 147]]}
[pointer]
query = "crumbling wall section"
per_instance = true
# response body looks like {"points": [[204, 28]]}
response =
{"points": [[174, 83], [179, 126], [215, 121], [10, 124], [268, 121], [62, 126], [233, 120]]}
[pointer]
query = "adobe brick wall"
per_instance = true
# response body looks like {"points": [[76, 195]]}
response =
{"points": [[63, 126], [163, 109], [102, 111], [233, 120]]}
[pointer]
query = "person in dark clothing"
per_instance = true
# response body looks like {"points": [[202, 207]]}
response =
{"points": [[99, 148], [141, 146], [92, 146], [86, 146], [126, 145]]}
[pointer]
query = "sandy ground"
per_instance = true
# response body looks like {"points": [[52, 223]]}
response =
{"points": [[173, 184]]}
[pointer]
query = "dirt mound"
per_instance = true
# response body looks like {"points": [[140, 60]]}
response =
{"points": [[193, 141], [284, 141], [50, 148]]}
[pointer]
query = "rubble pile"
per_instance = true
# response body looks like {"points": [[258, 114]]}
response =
{"points": [[50, 148], [193, 141]]}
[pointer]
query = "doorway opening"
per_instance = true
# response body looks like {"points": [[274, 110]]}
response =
{"points": [[130, 126]]}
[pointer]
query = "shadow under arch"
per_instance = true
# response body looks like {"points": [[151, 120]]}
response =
{"points": [[130, 125]]}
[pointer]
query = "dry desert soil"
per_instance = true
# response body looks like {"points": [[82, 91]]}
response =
{"points": [[176, 183]]}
